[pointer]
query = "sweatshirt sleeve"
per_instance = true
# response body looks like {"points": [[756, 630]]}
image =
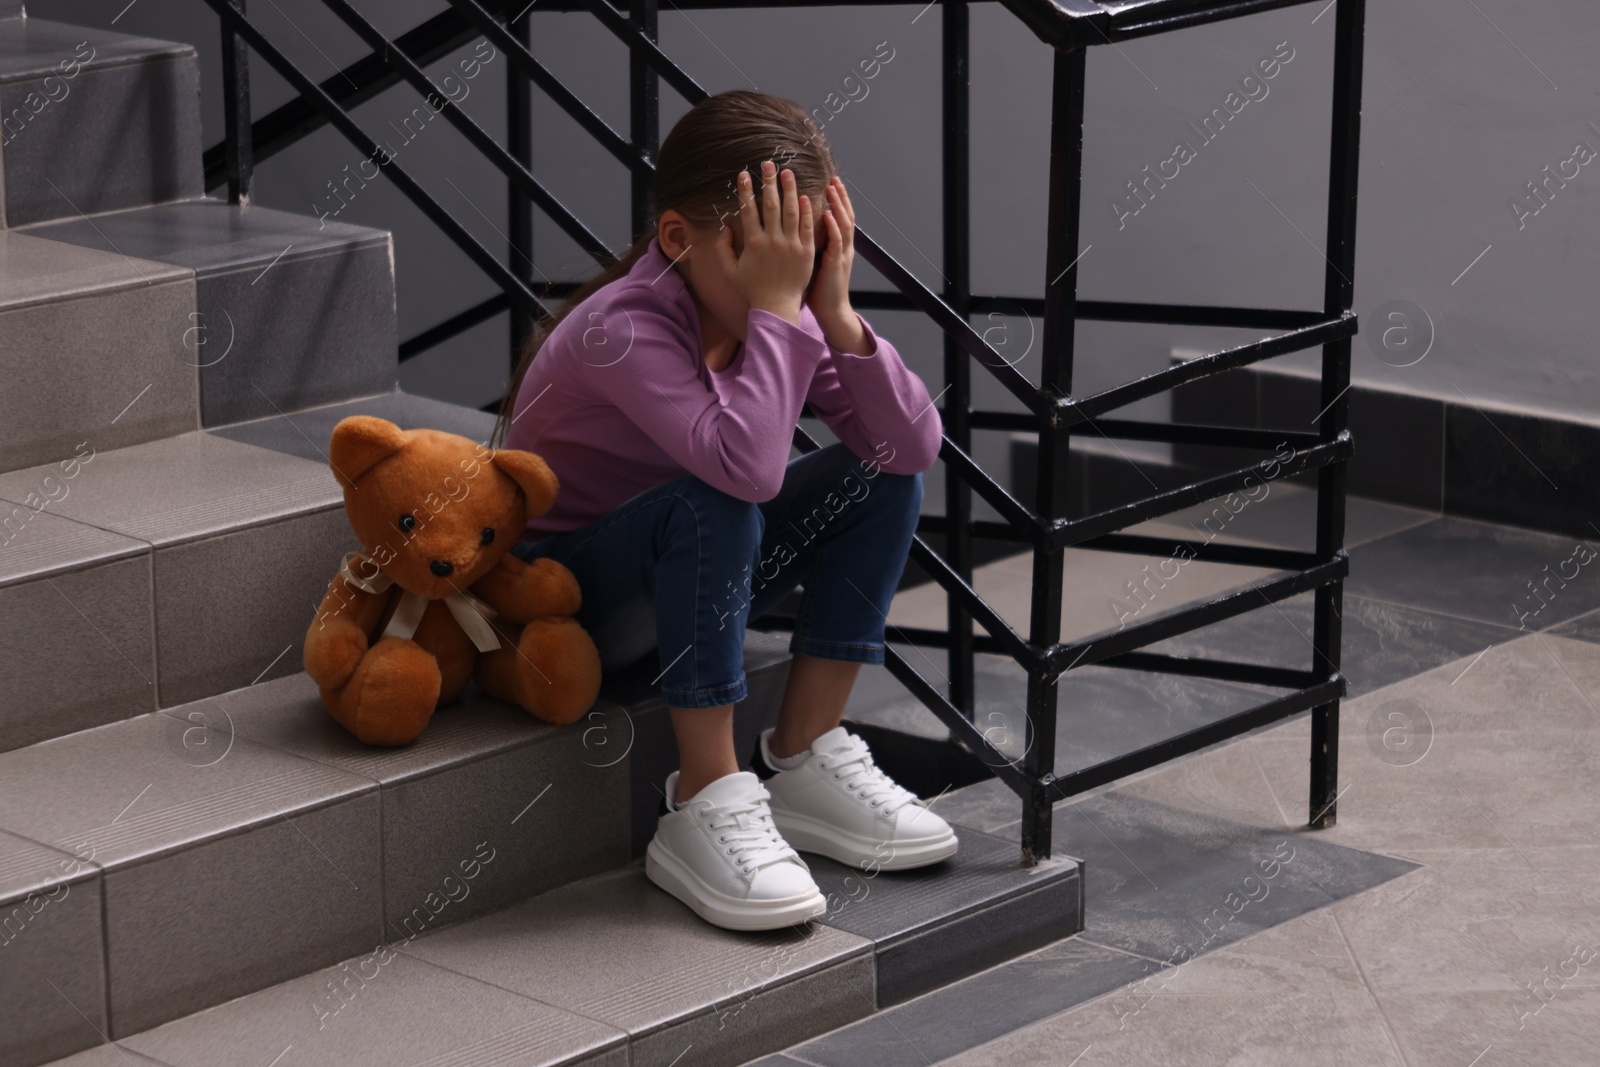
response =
{"points": [[741, 448], [877, 407]]}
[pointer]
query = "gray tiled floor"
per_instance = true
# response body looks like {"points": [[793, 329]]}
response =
{"points": [[1470, 756]]}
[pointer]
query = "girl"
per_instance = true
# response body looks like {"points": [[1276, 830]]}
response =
{"points": [[664, 397]]}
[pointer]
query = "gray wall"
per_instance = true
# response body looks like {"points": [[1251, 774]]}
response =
{"points": [[1464, 104]]}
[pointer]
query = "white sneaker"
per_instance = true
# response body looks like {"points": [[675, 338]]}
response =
{"points": [[722, 855], [841, 804]]}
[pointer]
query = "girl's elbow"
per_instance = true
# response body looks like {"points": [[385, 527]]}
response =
{"points": [[926, 453]]}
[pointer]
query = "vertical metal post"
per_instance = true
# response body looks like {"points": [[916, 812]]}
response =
{"points": [[519, 209], [1338, 289], [239, 142], [644, 109], [1055, 440], [957, 364]]}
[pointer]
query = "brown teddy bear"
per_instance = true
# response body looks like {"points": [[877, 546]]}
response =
{"points": [[436, 596]]}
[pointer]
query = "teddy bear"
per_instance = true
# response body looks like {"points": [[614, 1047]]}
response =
{"points": [[436, 597]]}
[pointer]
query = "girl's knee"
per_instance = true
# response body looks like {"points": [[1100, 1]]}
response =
{"points": [[902, 490], [706, 512]]}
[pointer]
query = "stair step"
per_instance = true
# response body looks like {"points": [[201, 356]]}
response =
{"points": [[244, 839], [612, 970], [76, 646], [241, 544], [92, 350], [10, 9], [290, 313], [306, 433], [95, 121]]}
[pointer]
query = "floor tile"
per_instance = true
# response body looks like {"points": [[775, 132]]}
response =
{"points": [[1455, 1029], [127, 133], [186, 487], [1422, 762], [1228, 782], [1478, 919], [1096, 594], [1104, 712], [1268, 1028], [958, 1017], [1163, 883], [1580, 659], [381, 1007], [1286, 518], [306, 433], [52, 968], [131, 791], [937, 924], [36, 46], [34, 270], [109, 1055], [1583, 628], [619, 949], [1382, 643], [1423, 567], [80, 643]]}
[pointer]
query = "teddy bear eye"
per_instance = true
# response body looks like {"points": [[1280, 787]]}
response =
{"points": [[488, 535], [407, 523]]}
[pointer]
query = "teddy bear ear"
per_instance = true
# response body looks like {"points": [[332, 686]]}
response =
{"points": [[538, 481], [359, 442]]}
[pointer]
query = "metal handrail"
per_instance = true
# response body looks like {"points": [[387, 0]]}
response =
{"points": [[1050, 408]]}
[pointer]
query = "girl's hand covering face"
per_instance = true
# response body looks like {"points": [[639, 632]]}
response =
{"points": [[829, 292], [779, 252]]}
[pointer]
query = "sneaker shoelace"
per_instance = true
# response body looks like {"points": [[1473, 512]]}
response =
{"points": [[866, 779], [756, 840]]}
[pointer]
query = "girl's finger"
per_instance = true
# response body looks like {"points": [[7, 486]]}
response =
{"points": [[834, 238], [771, 209], [844, 195], [791, 204], [807, 226], [747, 203]]}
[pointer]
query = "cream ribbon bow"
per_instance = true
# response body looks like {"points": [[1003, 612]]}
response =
{"points": [[472, 613]]}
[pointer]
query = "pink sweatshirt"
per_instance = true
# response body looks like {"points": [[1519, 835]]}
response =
{"points": [[619, 399]]}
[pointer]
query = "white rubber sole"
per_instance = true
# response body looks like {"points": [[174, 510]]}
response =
{"points": [[809, 835], [720, 909]]}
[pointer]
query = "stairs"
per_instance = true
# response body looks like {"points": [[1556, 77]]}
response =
{"points": [[192, 852]]}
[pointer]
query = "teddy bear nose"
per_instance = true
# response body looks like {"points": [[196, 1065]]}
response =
{"points": [[440, 567]]}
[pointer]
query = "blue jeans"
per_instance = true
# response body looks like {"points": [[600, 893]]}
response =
{"points": [[682, 567]]}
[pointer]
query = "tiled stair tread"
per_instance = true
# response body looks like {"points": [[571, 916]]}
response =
{"points": [[210, 236], [182, 488], [34, 47], [164, 780], [108, 1056], [302, 433], [133, 790], [403, 1011], [891, 906], [618, 949], [288, 714], [28, 867], [35, 271], [38, 544]]}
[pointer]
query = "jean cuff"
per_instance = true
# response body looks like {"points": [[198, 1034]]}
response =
{"points": [[850, 653], [707, 698]]}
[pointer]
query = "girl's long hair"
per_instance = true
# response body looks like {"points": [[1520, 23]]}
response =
{"points": [[694, 175]]}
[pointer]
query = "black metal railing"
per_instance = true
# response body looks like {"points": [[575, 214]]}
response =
{"points": [[1070, 27]]}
